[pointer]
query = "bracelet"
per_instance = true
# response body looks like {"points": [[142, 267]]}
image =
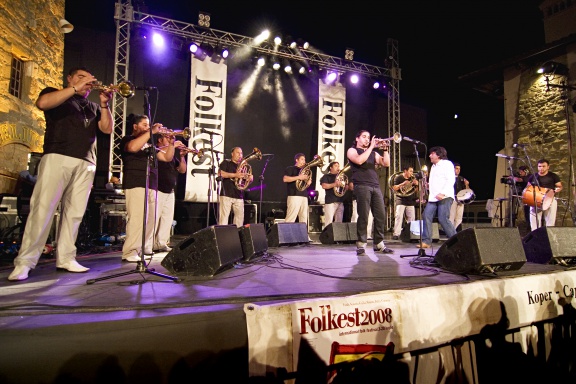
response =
{"points": [[74, 88], [106, 106]]}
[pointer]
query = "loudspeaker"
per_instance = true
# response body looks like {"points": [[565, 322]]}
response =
{"points": [[482, 250], [287, 233], [551, 245], [339, 233], [206, 252], [411, 232], [253, 240]]}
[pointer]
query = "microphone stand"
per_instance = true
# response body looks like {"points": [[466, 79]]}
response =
{"points": [[512, 187], [261, 186], [141, 266], [421, 194], [212, 179], [535, 177]]}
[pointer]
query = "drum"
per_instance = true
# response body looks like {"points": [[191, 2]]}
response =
{"points": [[465, 196], [544, 197]]}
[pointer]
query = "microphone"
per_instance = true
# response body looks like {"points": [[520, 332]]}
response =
{"points": [[145, 88], [209, 132], [411, 140], [516, 145], [507, 157]]}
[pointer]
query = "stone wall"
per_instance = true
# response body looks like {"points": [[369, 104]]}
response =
{"points": [[29, 31]]}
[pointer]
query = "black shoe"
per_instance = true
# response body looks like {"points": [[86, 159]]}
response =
{"points": [[394, 237], [360, 252], [385, 250]]}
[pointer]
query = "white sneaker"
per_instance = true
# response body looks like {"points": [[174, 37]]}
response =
{"points": [[135, 259], [19, 273], [73, 266]]}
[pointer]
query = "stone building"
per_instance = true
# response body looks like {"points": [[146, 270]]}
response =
{"points": [[539, 108], [31, 58]]}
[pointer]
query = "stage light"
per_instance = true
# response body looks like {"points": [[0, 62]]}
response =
{"points": [[313, 196], [306, 45], [224, 53], [376, 84], [287, 66], [261, 61], [198, 51], [331, 77], [293, 45], [158, 39], [204, 19], [194, 48], [354, 78], [349, 54], [219, 54], [553, 68], [277, 40], [276, 64]]}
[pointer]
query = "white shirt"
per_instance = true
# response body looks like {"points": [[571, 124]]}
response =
{"points": [[441, 180]]}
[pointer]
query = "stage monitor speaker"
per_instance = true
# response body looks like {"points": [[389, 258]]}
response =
{"points": [[551, 245], [339, 233], [253, 240], [287, 234], [482, 250], [206, 252], [411, 232]]}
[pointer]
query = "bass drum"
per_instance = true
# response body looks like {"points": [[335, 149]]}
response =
{"points": [[465, 196], [544, 197]]}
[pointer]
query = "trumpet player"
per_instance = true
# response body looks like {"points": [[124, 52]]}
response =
{"points": [[231, 199], [66, 171], [297, 201], [333, 205], [168, 172], [404, 203], [363, 160], [141, 174]]}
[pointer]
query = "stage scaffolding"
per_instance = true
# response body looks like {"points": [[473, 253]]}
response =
{"points": [[125, 14]]}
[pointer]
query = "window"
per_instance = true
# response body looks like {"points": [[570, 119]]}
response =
{"points": [[16, 77]]}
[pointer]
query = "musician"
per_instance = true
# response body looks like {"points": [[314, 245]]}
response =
{"points": [[363, 159], [354, 216], [457, 208], [136, 150], [232, 198], [66, 171], [167, 177], [441, 195], [297, 201], [333, 205], [548, 180], [405, 203]]}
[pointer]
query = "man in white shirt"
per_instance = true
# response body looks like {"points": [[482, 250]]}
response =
{"points": [[440, 197]]}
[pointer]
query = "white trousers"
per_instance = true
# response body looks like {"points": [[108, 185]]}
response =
{"points": [[297, 206], [399, 217], [135, 222], [65, 180], [456, 213], [228, 204], [549, 216], [165, 209], [333, 212]]}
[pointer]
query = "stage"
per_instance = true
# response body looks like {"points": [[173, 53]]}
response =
{"points": [[117, 324]]}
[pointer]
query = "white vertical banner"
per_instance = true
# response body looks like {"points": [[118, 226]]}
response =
{"points": [[207, 125], [331, 129]]}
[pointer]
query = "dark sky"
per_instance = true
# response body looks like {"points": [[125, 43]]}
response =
{"points": [[438, 41]]}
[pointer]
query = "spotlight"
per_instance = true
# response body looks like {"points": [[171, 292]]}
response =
{"points": [[194, 48], [354, 78], [276, 64], [349, 54], [287, 66], [277, 40], [331, 77], [158, 39], [219, 54], [313, 196], [553, 68], [376, 84], [204, 19], [261, 61], [198, 51], [306, 45]]}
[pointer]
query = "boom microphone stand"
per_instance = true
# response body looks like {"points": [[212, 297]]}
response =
{"points": [[141, 266], [421, 194], [535, 178], [261, 181]]}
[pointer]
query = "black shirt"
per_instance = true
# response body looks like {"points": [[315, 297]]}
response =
{"points": [[291, 187], [365, 174], [134, 167], [228, 186]]}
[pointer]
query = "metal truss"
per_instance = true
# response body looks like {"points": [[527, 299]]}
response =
{"points": [[125, 15]]}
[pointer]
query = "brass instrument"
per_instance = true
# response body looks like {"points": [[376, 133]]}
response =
{"points": [[385, 143], [186, 133], [405, 190], [125, 88], [198, 152], [243, 182], [341, 181], [301, 185]]}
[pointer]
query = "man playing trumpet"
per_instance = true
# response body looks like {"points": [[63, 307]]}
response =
{"points": [[232, 198]]}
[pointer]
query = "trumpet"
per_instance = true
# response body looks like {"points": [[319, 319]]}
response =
{"points": [[385, 143], [125, 88], [185, 133], [197, 152]]}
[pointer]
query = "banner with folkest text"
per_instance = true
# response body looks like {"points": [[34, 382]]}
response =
{"points": [[207, 125], [331, 129]]}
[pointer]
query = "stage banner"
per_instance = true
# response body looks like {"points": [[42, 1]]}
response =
{"points": [[333, 330], [207, 124], [331, 130]]}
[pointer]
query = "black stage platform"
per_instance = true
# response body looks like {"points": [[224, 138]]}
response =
{"points": [[143, 328]]}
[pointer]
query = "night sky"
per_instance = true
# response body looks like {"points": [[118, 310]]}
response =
{"points": [[438, 41]]}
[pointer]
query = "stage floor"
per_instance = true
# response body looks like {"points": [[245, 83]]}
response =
{"points": [[124, 309]]}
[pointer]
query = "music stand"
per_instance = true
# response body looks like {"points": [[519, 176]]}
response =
{"points": [[421, 194], [141, 266]]}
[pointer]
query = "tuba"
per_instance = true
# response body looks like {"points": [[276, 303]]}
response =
{"points": [[243, 182], [341, 181], [302, 184], [405, 190]]}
